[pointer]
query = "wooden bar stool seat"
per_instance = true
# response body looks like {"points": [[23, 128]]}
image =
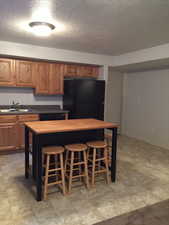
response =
{"points": [[97, 144], [76, 163], [55, 169], [98, 159], [76, 147], [52, 150]]}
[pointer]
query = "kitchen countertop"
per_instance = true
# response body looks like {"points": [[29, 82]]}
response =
{"points": [[44, 127], [35, 109]]}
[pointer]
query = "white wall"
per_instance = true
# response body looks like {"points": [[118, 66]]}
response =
{"points": [[25, 96], [113, 101], [144, 55], [38, 52], [26, 50], [146, 106]]}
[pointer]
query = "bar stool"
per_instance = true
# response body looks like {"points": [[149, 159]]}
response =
{"points": [[76, 163], [98, 159], [54, 169]]}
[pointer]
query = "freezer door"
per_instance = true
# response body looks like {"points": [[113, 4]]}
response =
{"points": [[69, 96], [89, 91], [84, 98], [89, 99]]}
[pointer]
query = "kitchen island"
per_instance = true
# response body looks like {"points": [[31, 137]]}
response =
{"points": [[41, 131]]}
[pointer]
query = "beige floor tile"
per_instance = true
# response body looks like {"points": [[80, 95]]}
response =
{"points": [[142, 179]]}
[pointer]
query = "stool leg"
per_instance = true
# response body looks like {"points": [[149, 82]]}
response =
{"points": [[99, 152], [109, 155], [46, 176], [62, 173], [56, 165], [106, 164], [93, 166], [88, 153], [80, 166], [44, 164], [71, 171], [86, 169], [66, 159]]}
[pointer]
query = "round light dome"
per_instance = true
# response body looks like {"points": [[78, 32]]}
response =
{"points": [[41, 28]]}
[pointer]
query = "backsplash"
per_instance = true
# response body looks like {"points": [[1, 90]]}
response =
{"points": [[25, 96]]}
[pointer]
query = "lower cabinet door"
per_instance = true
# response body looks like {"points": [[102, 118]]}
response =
{"points": [[21, 137], [21, 128], [8, 136]]}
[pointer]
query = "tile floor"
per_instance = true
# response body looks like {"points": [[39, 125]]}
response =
{"points": [[142, 179]]}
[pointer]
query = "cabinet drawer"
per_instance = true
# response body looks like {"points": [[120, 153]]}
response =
{"points": [[7, 118], [30, 117]]}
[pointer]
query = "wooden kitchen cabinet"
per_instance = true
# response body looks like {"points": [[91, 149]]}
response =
{"points": [[21, 128], [7, 72], [8, 132], [47, 78], [24, 73], [16, 73], [88, 71], [56, 78], [72, 70], [12, 130], [41, 73]]}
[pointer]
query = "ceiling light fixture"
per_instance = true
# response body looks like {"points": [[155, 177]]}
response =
{"points": [[41, 28]]}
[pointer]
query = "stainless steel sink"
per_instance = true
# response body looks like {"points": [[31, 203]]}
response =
{"points": [[13, 110], [22, 110], [4, 110]]}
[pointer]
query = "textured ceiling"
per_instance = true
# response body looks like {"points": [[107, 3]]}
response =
{"points": [[98, 26]]}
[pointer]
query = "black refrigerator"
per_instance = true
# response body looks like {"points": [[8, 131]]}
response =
{"points": [[84, 98]]}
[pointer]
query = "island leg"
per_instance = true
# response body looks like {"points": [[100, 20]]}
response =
{"points": [[114, 152], [26, 152], [38, 148], [34, 156]]}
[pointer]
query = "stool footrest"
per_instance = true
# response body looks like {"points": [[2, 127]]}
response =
{"points": [[53, 170], [53, 183], [68, 170], [76, 164], [76, 176], [53, 175], [101, 159], [97, 160], [101, 171], [51, 164]]}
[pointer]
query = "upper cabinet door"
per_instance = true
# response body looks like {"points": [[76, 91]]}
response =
{"points": [[7, 72], [88, 71], [24, 73], [41, 73], [56, 78], [70, 70], [95, 72]]}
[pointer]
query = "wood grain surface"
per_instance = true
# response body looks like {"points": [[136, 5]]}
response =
{"points": [[54, 126]]}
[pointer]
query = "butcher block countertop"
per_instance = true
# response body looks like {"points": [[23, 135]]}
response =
{"points": [[54, 126]]}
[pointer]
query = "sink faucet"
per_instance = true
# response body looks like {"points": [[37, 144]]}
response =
{"points": [[15, 105]]}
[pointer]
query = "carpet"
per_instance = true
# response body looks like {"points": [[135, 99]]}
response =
{"points": [[157, 214]]}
